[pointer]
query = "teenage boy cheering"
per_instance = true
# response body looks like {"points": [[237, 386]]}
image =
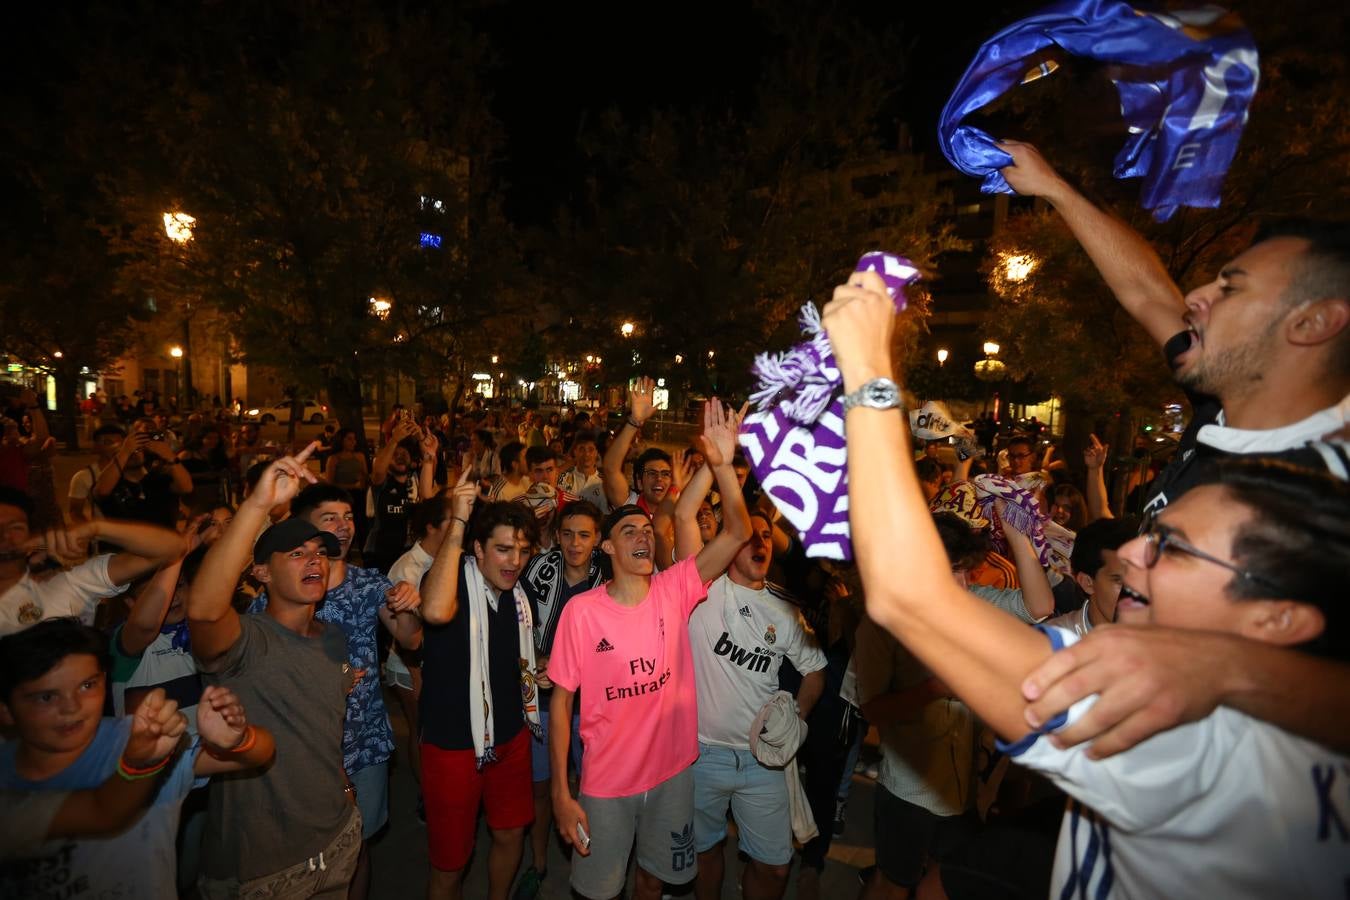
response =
{"points": [[52, 680], [1224, 806], [291, 830], [625, 646]]}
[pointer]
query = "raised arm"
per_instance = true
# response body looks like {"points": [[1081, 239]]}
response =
{"points": [[112, 472], [399, 614], [212, 619], [426, 474], [380, 467], [147, 613], [1129, 266], [440, 587], [981, 652], [688, 540], [611, 467], [229, 743], [1036, 594], [145, 547], [718, 444], [1094, 459]]}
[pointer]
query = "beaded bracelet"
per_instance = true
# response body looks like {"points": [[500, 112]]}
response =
{"points": [[130, 773]]}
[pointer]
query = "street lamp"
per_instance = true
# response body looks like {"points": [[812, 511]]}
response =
{"points": [[627, 329], [678, 359], [178, 226], [1017, 266], [990, 368], [379, 307], [942, 356], [494, 359], [177, 353]]}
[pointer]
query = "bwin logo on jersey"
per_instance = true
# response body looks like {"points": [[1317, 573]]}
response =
{"points": [[756, 660]]}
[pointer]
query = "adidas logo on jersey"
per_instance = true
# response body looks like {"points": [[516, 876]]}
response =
{"points": [[745, 611], [603, 646]]}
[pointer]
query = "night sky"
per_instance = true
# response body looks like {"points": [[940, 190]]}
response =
{"points": [[560, 64]]}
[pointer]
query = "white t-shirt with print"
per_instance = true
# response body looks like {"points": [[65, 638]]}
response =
{"points": [[73, 592], [1228, 806], [740, 638]]}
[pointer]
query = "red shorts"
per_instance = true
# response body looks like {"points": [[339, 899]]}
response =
{"points": [[453, 789]]}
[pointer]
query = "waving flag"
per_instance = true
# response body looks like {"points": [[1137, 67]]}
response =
{"points": [[1185, 80], [795, 437]]}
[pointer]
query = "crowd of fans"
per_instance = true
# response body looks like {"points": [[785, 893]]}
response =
{"points": [[599, 642]]}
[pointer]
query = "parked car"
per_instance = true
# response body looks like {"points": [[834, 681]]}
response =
{"points": [[312, 411]]}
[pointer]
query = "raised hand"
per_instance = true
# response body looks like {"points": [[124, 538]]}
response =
{"points": [[860, 321], [220, 718], [463, 496], [283, 479], [717, 443], [404, 428], [1029, 174], [64, 543], [155, 730], [1094, 455], [640, 399], [429, 444]]}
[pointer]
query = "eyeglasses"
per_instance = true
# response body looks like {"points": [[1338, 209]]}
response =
{"points": [[1018, 455], [665, 474], [1158, 538]]}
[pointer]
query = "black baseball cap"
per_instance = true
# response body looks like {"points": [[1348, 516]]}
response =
{"points": [[619, 513], [289, 534]]}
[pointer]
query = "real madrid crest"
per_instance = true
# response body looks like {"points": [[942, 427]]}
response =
{"points": [[770, 636], [30, 613]]}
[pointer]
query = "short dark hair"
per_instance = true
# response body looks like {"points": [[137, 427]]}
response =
{"points": [[582, 508], [617, 515], [509, 454], [966, 548], [484, 436], [536, 455], [491, 516], [30, 654], [1095, 538], [582, 437], [315, 495], [12, 496], [110, 428], [928, 469], [1020, 439], [1297, 540], [1321, 272], [647, 456], [428, 514]]}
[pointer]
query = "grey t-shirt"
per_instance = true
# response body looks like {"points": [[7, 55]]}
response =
{"points": [[263, 821]]}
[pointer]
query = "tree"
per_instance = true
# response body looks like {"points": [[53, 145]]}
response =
{"points": [[709, 227], [337, 171]]}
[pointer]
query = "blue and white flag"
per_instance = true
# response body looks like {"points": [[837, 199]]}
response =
{"points": [[1185, 80]]}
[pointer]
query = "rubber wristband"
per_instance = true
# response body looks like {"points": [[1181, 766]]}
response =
{"points": [[130, 773], [464, 522], [636, 424]]}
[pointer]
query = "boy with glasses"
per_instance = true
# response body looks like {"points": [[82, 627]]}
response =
{"points": [[1224, 806]]}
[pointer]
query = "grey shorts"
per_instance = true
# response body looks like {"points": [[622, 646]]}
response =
{"points": [[661, 820]]}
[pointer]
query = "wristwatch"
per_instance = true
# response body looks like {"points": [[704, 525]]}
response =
{"points": [[879, 393]]}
